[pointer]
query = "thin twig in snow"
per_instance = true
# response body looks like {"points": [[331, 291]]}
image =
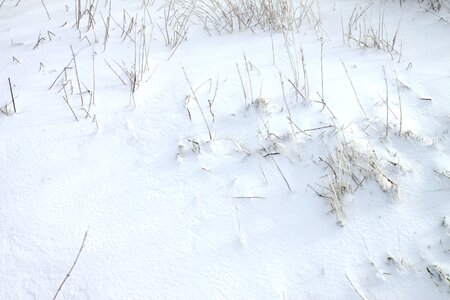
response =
{"points": [[73, 266]]}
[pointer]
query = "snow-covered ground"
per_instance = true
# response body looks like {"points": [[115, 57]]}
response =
{"points": [[244, 160]]}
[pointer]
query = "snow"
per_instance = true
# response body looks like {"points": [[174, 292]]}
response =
{"points": [[173, 214]]}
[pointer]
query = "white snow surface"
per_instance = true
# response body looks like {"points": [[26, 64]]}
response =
{"points": [[171, 213]]}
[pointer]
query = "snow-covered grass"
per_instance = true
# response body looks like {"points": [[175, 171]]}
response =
{"points": [[233, 149]]}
